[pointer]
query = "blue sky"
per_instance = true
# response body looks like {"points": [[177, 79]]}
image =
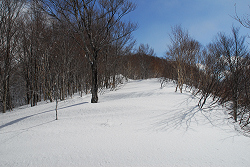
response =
{"points": [[202, 18]]}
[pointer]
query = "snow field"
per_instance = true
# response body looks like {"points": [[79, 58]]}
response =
{"points": [[138, 125]]}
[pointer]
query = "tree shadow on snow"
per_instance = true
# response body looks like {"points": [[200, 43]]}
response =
{"points": [[183, 115], [40, 113]]}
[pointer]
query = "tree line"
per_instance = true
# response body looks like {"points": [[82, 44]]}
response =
{"points": [[220, 70]]}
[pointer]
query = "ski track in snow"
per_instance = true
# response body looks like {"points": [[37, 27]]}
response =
{"points": [[138, 125]]}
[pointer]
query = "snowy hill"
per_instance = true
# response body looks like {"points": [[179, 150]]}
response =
{"points": [[140, 124]]}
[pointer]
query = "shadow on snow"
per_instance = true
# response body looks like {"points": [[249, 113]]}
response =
{"points": [[23, 118], [182, 115]]}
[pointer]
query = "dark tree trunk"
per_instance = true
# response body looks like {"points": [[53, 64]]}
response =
{"points": [[94, 89], [6, 82]]}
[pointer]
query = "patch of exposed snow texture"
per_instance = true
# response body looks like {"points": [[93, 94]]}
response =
{"points": [[139, 124]]}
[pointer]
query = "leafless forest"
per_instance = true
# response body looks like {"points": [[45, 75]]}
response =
{"points": [[51, 49]]}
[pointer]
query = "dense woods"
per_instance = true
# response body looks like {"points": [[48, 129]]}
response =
{"points": [[52, 49]]}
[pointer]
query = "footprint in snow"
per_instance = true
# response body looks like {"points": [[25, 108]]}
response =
{"points": [[107, 124]]}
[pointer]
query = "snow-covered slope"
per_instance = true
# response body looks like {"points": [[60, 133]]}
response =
{"points": [[137, 125]]}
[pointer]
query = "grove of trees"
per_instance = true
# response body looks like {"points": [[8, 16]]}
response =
{"points": [[53, 49]]}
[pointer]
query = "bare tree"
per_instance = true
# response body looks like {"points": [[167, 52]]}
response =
{"points": [[94, 21], [233, 50], [146, 50], [243, 20], [209, 75], [182, 51]]}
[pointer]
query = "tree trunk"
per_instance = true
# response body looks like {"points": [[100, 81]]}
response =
{"points": [[6, 82], [113, 84], [94, 89], [6, 95]]}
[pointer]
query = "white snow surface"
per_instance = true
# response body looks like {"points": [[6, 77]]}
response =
{"points": [[138, 125]]}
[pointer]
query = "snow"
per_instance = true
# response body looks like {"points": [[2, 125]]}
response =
{"points": [[140, 124]]}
